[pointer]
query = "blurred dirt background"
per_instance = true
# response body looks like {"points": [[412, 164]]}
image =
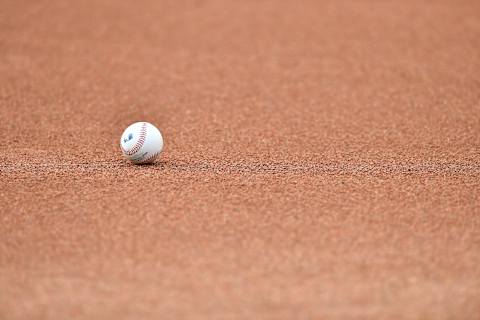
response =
{"points": [[322, 160]]}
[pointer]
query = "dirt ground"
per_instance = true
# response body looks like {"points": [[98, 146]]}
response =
{"points": [[322, 160]]}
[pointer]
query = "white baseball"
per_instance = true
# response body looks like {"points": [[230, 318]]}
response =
{"points": [[141, 143]]}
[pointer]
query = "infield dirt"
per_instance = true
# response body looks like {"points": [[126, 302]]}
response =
{"points": [[321, 160]]}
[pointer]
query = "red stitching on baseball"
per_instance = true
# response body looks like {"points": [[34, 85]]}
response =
{"points": [[139, 143]]}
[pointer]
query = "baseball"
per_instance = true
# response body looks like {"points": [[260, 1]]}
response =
{"points": [[141, 143]]}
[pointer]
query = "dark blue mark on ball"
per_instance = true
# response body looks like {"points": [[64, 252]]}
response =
{"points": [[130, 137]]}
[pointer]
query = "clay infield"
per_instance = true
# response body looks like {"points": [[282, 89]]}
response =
{"points": [[321, 161]]}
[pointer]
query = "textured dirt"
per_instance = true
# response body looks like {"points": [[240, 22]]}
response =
{"points": [[322, 160]]}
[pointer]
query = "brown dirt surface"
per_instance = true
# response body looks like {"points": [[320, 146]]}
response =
{"points": [[322, 160]]}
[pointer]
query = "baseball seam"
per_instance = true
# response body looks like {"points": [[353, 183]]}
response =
{"points": [[139, 143]]}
